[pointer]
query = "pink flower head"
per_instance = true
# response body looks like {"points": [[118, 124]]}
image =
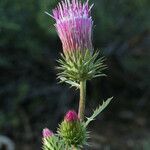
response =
{"points": [[74, 25], [71, 116], [47, 133]]}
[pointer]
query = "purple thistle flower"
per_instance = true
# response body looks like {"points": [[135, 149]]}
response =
{"points": [[71, 116], [47, 133], [74, 25]]}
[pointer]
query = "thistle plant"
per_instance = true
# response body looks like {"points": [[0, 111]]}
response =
{"points": [[78, 64]]}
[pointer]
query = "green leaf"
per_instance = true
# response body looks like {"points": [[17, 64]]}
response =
{"points": [[98, 111]]}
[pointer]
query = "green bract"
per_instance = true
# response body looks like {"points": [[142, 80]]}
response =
{"points": [[73, 133], [76, 66], [53, 143]]}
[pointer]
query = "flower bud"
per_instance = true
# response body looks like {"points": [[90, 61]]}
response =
{"points": [[72, 130], [47, 133], [71, 116], [52, 141]]}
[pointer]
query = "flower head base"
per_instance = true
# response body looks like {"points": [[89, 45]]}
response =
{"points": [[78, 67], [71, 116], [72, 130], [47, 133], [74, 25]]}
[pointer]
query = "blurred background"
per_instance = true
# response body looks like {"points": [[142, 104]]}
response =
{"points": [[30, 96]]}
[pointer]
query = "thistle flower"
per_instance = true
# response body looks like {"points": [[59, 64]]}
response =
{"points": [[47, 133], [71, 116], [74, 25]]}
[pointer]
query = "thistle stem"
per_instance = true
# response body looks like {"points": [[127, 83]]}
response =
{"points": [[82, 101]]}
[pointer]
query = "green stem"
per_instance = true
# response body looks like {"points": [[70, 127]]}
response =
{"points": [[82, 100]]}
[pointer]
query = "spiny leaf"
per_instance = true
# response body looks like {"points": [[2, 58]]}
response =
{"points": [[98, 111], [73, 84]]}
